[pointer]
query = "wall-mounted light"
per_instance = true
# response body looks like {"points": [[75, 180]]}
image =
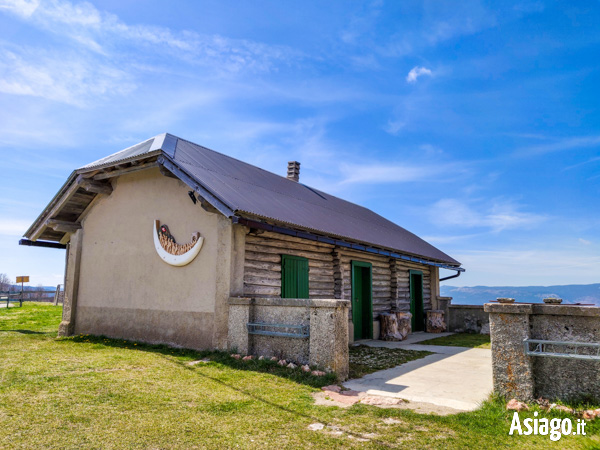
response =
{"points": [[192, 196]]}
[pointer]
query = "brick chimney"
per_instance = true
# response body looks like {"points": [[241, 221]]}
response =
{"points": [[293, 171]]}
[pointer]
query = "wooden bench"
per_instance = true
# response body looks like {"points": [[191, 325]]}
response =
{"points": [[11, 297]]}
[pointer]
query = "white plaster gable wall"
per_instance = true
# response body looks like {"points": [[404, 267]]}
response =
{"points": [[119, 264]]}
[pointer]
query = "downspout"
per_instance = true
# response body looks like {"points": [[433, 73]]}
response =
{"points": [[452, 276]]}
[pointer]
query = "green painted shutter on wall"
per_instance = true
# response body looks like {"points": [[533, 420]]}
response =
{"points": [[294, 277]]}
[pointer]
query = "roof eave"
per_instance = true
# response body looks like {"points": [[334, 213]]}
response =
{"points": [[38, 227], [42, 217]]}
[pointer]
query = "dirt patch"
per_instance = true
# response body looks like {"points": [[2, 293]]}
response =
{"points": [[329, 399]]}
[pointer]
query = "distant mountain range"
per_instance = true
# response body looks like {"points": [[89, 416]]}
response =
{"points": [[17, 287], [478, 295]]}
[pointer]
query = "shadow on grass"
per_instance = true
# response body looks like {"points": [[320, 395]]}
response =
{"points": [[224, 358], [220, 357], [28, 332]]}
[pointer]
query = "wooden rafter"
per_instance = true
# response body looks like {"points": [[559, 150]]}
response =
{"points": [[70, 192], [94, 186], [63, 225]]}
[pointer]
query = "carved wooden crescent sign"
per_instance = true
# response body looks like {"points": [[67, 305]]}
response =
{"points": [[170, 251]]}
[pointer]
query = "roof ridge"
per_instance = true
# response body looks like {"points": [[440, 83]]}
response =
{"points": [[120, 151]]}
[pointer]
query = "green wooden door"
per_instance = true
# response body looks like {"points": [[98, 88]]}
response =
{"points": [[362, 304], [357, 303], [416, 300], [294, 277]]}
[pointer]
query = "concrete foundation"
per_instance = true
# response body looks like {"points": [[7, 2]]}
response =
{"points": [[188, 329]]}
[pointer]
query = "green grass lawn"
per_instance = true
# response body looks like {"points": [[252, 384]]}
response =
{"points": [[90, 392], [470, 340]]}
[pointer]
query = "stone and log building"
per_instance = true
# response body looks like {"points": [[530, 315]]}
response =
{"points": [[242, 237]]}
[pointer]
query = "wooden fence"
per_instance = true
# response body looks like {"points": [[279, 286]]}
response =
{"points": [[56, 296]]}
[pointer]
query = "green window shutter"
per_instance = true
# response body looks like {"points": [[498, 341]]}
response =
{"points": [[294, 277]]}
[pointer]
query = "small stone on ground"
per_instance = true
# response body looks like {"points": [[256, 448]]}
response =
{"points": [[516, 405], [591, 414], [332, 388], [316, 426], [350, 392], [345, 399], [331, 398], [200, 361], [378, 400], [562, 408], [391, 421]]}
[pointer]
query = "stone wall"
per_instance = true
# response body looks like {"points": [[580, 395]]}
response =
{"points": [[325, 347], [528, 377], [468, 319]]}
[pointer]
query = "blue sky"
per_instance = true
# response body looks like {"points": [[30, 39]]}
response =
{"points": [[474, 126]]}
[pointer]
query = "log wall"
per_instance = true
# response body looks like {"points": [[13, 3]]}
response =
{"points": [[262, 271], [330, 271]]}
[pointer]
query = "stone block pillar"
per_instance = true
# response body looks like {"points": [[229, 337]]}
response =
{"points": [[512, 369], [444, 305], [239, 317], [329, 335], [67, 326]]}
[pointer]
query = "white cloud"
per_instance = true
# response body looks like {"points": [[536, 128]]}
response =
{"points": [[362, 23], [102, 33], [416, 72], [498, 217], [394, 126], [13, 227], [440, 22], [70, 79], [561, 145], [431, 150], [518, 267], [584, 241], [589, 161], [448, 239], [23, 8], [105, 57], [376, 173], [400, 173]]}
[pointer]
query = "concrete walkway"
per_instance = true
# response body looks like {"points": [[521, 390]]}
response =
{"points": [[453, 377]]}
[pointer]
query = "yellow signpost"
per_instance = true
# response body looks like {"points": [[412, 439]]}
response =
{"points": [[22, 279]]}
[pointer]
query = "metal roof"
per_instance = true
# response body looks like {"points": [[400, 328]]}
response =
{"points": [[163, 143], [245, 188], [248, 190]]}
